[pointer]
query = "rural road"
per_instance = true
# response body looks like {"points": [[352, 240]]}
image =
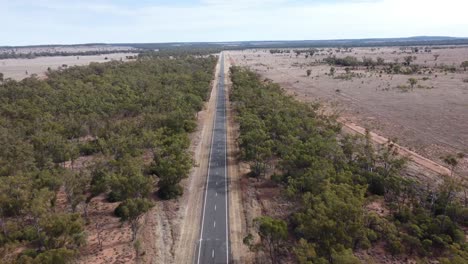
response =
{"points": [[213, 246]]}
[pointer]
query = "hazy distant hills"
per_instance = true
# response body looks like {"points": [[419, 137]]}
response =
{"points": [[410, 41]]}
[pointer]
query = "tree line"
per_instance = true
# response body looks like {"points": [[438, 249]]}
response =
{"points": [[33, 55], [330, 177], [117, 113]]}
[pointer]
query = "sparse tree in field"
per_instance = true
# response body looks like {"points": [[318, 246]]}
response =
{"points": [[380, 61], [347, 70], [99, 230], [1, 76], [436, 56], [408, 60], [412, 82], [272, 233], [332, 71], [464, 65], [131, 210], [75, 188], [452, 161], [309, 72]]}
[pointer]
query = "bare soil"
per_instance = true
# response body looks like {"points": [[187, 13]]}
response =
{"points": [[19, 69], [429, 121], [116, 237]]}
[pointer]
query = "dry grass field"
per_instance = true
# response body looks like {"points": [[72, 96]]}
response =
{"points": [[430, 119], [66, 49], [19, 69]]}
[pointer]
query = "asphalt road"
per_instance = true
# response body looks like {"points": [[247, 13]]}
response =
{"points": [[213, 246]]}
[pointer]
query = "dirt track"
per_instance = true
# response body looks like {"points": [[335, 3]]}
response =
{"points": [[428, 122]]}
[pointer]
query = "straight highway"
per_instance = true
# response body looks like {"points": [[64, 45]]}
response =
{"points": [[213, 246]]}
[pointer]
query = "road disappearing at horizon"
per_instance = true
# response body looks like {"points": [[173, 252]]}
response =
{"points": [[213, 246]]}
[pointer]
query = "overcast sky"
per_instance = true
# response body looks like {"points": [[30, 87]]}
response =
{"points": [[27, 22]]}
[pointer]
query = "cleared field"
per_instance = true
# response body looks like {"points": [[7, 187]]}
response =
{"points": [[65, 49], [19, 69], [430, 119]]}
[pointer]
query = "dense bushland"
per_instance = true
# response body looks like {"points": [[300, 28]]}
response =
{"points": [[330, 177], [114, 112]]}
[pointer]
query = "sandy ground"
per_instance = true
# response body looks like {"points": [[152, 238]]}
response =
{"points": [[429, 121], [116, 237], [19, 69]]}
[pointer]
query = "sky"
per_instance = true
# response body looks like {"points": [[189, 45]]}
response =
{"points": [[32, 22]]}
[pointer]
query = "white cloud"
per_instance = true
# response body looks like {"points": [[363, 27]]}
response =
{"points": [[223, 20]]}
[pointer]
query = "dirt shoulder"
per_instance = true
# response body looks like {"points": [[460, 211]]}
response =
{"points": [[172, 228], [238, 223]]}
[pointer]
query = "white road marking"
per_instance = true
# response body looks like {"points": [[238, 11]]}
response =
{"points": [[206, 186], [214, 224], [221, 82], [215, 207], [225, 177]]}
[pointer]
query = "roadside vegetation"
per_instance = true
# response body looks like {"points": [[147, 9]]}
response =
{"points": [[131, 120], [329, 179]]}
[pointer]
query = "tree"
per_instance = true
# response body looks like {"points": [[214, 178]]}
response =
{"points": [[257, 148], [380, 61], [1, 76], [408, 60], [171, 164], [452, 161], [54, 256], [305, 252], [412, 82], [124, 186], [309, 72], [333, 218], [75, 188], [39, 209], [463, 64], [332, 71], [62, 231], [436, 56], [344, 256], [272, 233], [131, 210]]}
